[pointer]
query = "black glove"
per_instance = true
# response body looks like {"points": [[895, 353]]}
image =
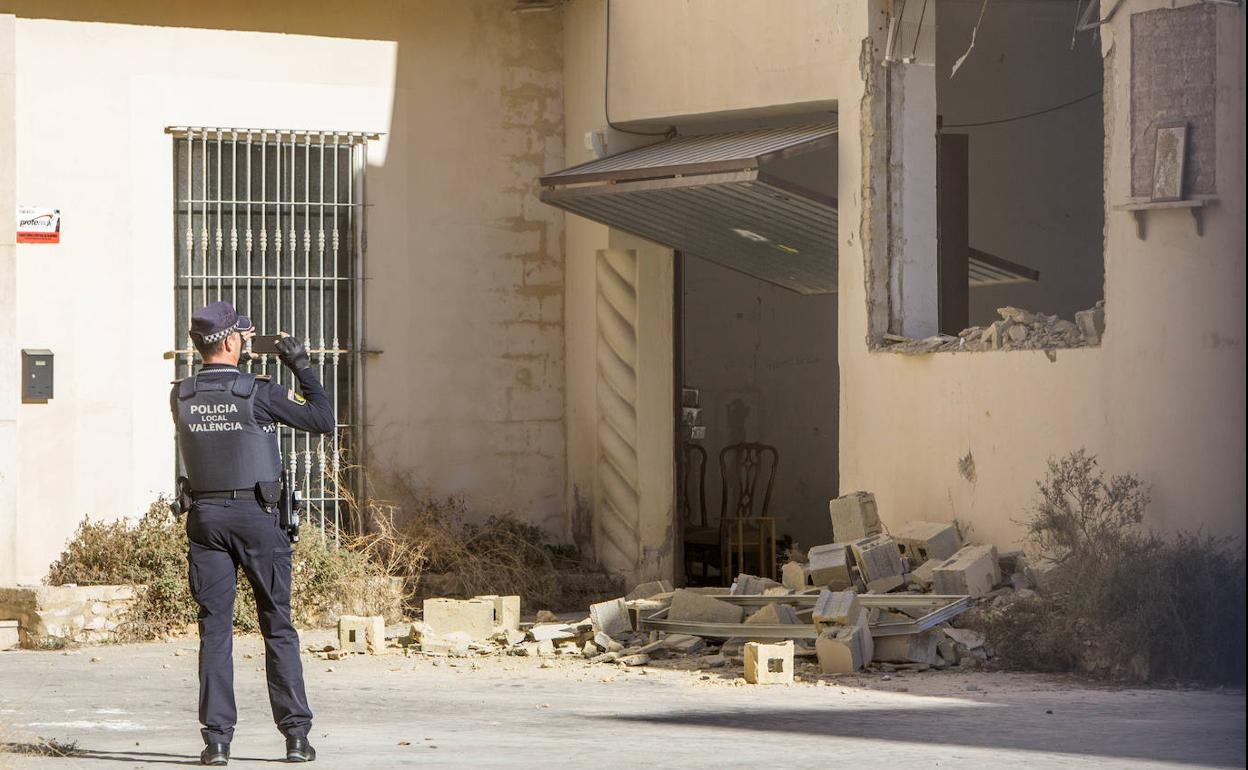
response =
{"points": [[292, 353]]}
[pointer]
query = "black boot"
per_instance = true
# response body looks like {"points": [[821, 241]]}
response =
{"points": [[299, 750], [215, 754]]}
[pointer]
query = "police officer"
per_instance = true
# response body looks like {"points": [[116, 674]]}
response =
{"points": [[227, 433]]}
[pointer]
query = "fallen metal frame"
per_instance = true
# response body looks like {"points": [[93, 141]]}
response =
{"points": [[943, 609]]}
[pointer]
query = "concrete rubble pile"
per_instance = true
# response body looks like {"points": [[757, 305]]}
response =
{"points": [[1017, 329], [869, 600]]}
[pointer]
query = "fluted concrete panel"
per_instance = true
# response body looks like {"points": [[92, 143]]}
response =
{"points": [[617, 523]]}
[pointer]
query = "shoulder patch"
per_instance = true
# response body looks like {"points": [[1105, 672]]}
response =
{"points": [[298, 398]]}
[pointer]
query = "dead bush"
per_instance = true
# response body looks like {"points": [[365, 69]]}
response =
{"points": [[325, 581], [435, 535], [1121, 602]]}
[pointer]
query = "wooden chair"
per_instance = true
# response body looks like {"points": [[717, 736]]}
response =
{"points": [[702, 541], [744, 524]]}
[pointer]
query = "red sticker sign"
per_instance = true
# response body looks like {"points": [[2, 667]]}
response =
{"points": [[38, 225]]}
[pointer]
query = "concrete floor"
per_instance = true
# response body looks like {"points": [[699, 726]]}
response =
{"points": [[134, 706]]}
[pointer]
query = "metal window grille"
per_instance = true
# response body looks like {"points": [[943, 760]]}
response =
{"points": [[272, 221]]}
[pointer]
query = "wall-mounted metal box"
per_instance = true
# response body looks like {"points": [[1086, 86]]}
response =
{"points": [[36, 375]]}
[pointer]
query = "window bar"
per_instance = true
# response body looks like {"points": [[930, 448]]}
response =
{"points": [[203, 220], [307, 306], [335, 468], [234, 221], [247, 241], [264, 239], [358, 410], [190, 252], [320, 309], [219, 238]]}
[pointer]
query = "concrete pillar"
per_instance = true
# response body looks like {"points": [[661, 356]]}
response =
{"points": [[10, 364], [913, 273]]}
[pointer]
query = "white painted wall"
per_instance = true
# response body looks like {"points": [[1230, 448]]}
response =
{"points": [[464, 267]]}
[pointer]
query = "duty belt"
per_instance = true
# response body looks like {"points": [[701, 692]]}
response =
{"points": [[228, 494]]}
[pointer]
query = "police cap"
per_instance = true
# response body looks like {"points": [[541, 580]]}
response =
{"points": [[217, 321]]}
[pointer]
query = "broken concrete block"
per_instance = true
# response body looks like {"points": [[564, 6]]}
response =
{"points": [[948, 650], [795, 576], [877, 556], [972, 571], [455, 644], [552, 632], [510, 637], [354, 632], [648, 590], [840, 649], [640, 659], [474, 617], [829, 566], [920, 541], [611, 617], [966, 637], [545, 648], [886, 584], [506, 610], [751, 585], [684, 644], [778, 591], [908, 648], [9, 639], [769, 663], [854, 516], [922, 574], [836, 608], [690, 606], [774, 614], [865, 639]]}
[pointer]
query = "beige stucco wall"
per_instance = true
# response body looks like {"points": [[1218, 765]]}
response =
{"points": [[464, 275], [1163, 396]]}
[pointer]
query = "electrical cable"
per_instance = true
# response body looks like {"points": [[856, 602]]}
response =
{"points": [[606, 90], [1054, 108]]}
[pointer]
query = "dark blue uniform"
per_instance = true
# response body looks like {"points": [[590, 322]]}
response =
{"points": [[230, 532]]}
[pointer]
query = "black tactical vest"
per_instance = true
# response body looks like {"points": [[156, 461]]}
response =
{"points": [[222, 446]]}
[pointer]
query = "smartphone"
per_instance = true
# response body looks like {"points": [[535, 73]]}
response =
{"points": [[265, 343]]}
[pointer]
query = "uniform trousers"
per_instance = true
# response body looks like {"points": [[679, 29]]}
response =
{"points": [[226, 534]]}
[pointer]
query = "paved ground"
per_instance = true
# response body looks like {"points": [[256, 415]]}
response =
{"points": [[134, 705]]}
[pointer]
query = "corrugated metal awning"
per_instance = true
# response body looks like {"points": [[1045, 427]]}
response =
{"points": [[721, 197]]}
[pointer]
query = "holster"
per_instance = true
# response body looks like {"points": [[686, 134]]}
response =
{"points": [[268, 493], [182, 500]]}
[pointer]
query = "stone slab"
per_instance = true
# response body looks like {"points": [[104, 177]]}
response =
{"points": [[691, 606]]}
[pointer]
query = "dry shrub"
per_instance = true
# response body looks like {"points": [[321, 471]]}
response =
{"points": [[152, 552], [433, 535], [1122, 603]]}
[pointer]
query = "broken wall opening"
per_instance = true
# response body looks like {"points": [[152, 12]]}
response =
{"points": [[1027, 103]]}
